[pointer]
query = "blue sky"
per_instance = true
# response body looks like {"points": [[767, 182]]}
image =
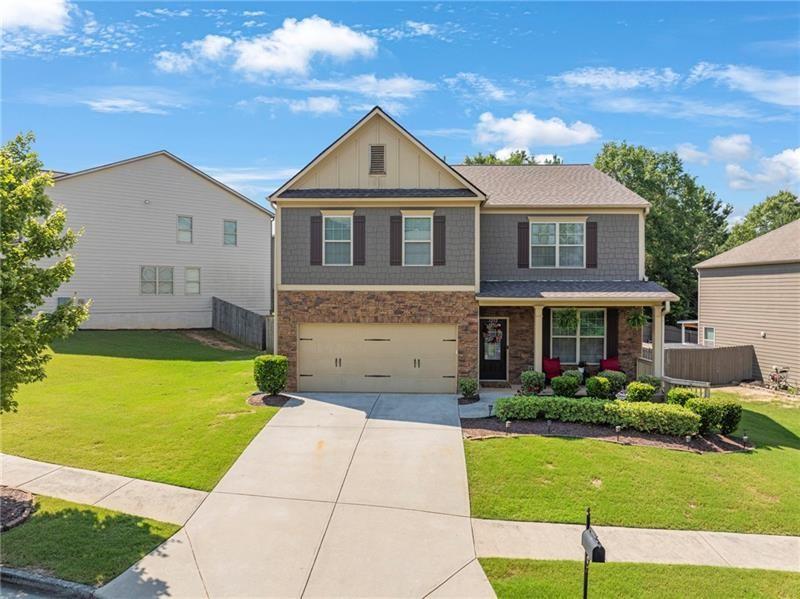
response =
{"points": [[251, 91]]}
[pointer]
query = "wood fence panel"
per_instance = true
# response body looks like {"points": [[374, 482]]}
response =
{"points": [[250, 328], [714, 365]]}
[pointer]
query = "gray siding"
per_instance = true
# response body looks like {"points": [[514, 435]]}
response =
{"points": [[743, 302], [295, 252], [617, 251]]}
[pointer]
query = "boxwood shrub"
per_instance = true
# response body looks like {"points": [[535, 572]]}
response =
{"points": [[598, 386], [648, 417], [640, 392], [716, 414], [616, 378], [650, 380], [532, 382], [575, 373], [680, 396], [270, 371], [566, 385], [468, 387]]}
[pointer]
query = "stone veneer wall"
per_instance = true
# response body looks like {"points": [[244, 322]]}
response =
{"points": [[520, 337], [629, 344], [391, 307]]}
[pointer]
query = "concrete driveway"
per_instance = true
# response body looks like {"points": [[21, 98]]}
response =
{"points": [[340, 495]]}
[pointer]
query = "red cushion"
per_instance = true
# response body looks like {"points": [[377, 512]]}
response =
{"points": [[551, 367], [610, 364]]}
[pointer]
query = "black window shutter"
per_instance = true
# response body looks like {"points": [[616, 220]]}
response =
{"points": [[395, 240], [316, 240], [591, 245], [545, 333], [439, 240], [359, 240], [523, 245], [612, 332]]}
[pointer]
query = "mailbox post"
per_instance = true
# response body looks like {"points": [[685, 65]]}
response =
{"points": [[593, 550]]}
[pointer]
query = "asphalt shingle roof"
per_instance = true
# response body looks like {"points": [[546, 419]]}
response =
{"points": [[776, 247], [575, 289], [549, 186]]}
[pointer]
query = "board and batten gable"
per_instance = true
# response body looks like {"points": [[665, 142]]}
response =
{"points": [[756, 305], [129, 212]]}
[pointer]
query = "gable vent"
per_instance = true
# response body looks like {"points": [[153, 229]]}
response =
{"points": [[377, 160]]}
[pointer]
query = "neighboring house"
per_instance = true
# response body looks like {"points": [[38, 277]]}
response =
{"points": [[160, 238], [750, 295], [397, 272]]}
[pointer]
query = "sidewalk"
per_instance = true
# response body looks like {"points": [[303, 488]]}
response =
{"points": [[536, 540], [166, 503]]}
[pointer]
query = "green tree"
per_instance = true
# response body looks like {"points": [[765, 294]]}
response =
{"points": [[686, 223], [32, 267], [775, 211], [516, 158]]}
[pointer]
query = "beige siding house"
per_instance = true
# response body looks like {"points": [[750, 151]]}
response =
{"points": [[160, 238], [750, 295]]}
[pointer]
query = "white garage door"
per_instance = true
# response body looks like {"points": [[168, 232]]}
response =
{"points": [[398, 358]]}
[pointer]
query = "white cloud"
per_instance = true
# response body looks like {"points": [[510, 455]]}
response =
{"points": [[773, 171], [255, 181], [773, 87], [43, 16], [523, 130], [472, 83], [122, 105], [674, 107], [173, 62], [115, 99], [163, 12], [415, 29], [691, 153], [399, 86], [211, 47], [733, 148], [608, 78], [316, 105], [292, 47], [419, 28], [254, 13]]}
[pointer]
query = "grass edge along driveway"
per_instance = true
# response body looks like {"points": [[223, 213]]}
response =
{"points": [[154, 405], [552, 479], [517, 578]]}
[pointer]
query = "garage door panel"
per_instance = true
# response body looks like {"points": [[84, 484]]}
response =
{"points": [[377, 357]]}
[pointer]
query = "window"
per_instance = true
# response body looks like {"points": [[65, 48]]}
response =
{"points": [[337, 235], [62, 301], [229, 232], [156, 280], [191, 280], [417, 240], [586, 342], [377, 160], [557, 245], [709, 336], [184, 229]]}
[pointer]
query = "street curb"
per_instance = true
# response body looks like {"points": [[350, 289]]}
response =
{"points": [[48, 584]]}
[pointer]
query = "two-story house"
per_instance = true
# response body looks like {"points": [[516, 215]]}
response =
{"points": [[397, 272], [160, 238]]}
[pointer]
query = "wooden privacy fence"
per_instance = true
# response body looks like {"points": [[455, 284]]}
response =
{"points": [[250, 328], [713, 365]]}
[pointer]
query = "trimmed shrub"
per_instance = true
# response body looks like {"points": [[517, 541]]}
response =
{"points": [[468, 387], [270, 371], [640, 392], [566, 386], [648, 417], [716, 414], [650, 380], [575, 374], [598, 386], [616, 378], [532, 382], [680, 396]]}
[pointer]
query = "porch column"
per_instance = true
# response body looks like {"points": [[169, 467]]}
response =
{"points": [[658, 340], [537, 337]]}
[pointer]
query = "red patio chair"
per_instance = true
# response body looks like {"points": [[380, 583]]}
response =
{"points": [[551, 367], [611, 363]]}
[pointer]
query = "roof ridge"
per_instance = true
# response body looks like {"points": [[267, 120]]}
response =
{"points": [[561, 164]]}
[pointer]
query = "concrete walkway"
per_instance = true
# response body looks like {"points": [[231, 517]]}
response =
{"points": [[166, 503], [356, 495], [535, 540]]}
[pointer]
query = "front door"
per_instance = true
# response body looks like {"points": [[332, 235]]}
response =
{"points": [[494, 343]]}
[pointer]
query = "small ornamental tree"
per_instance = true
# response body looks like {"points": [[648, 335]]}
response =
{"points": [[33, 265]]}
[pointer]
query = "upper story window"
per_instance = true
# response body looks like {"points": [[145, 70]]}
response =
{"points": [[557, 244], [417, 240], [184, 229], [191, 280], [337, 237], [377, 159], [156, 280], [230, 232]]}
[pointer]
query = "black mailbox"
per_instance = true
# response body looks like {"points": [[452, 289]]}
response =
{"points": [[595, 551]]}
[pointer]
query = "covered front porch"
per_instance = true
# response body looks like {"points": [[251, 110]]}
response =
{"points": [[580, 323]]}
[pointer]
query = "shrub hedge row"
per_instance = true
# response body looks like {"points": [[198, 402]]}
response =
{"points": [[716, 414]]}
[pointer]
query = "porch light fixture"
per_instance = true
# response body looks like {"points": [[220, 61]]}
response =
{"points": [[688, 439], [508, 426], [491, 405]]}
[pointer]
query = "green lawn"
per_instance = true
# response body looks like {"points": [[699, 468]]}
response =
{"points": [[154, 405], [555, 479], [528, 578], [81, 543]]}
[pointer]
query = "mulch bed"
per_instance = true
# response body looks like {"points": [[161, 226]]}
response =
{"points": [[487, 428], [15, 507], [260, 400], [465, 401]]}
